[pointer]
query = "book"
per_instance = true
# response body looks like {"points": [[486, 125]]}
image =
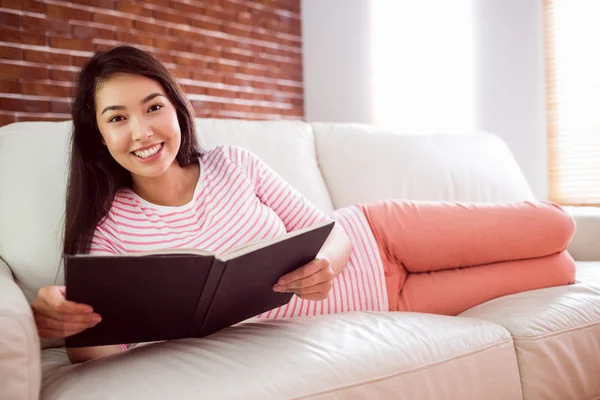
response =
{"points": [[184, 293]]}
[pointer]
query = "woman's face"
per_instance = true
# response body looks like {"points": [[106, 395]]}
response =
{"points": [[138, 124]]}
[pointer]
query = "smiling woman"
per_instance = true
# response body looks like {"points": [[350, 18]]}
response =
{"points": [[137, 182]]}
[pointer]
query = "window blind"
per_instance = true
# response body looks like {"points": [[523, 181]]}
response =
{"points": [[572, 52]]}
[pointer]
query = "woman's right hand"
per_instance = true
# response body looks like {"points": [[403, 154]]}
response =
{"points": [[57, 317]]}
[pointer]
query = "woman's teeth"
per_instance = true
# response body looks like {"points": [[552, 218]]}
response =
{"points": [[148, 152]]}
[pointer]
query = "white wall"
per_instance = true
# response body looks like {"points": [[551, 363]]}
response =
{"points": [[510, 82], [335, 39], [509, 77]]}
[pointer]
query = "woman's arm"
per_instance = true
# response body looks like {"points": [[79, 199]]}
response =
{"points": [[337, 250]]}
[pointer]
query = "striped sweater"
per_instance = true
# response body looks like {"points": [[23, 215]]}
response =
{"points": [[239, 198]]}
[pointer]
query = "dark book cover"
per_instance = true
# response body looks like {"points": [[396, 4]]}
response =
{"points": [[182, 293]]}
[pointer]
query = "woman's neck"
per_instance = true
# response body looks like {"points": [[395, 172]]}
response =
{"points": [[173, 188]]}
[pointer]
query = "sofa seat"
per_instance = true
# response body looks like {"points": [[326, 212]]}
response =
{"points": [[352, 355], [556, 332]]}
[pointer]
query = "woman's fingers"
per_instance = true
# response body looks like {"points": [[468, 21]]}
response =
{"points": [[54, 297], [45, 310], [322, 289], [305, 271], [49, 323], [313, 273], [48, 327]]}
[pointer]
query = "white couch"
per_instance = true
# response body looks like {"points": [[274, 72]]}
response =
{"points": [[543, 344]]}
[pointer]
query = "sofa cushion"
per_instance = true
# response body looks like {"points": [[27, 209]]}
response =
{"points": [[557, 336], [286, 146], [351, 355], [378, 164], [33, 162]]}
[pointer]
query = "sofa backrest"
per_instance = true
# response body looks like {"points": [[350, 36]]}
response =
{"points": [[352, 163], [361, 163]]}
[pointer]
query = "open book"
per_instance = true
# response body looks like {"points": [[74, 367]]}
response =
{"points": [[184, 293]]}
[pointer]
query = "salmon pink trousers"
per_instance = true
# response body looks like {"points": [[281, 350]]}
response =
{"points": [[446, 257]]}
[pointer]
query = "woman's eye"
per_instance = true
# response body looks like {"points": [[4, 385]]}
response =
{"points": [[155, 107], [116, 118]]}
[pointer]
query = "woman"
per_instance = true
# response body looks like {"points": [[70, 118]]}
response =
{"points": [[137, 182]]}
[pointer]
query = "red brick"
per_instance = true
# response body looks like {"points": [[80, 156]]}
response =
{"points": [[23, 105], [230, 80], [233, 30], [237, 107], [133, 38], [44, 89], [236, 56], [113, 20], [60, 107], [9, 86], [135, 9], [162, 3], [10, 35], [221, 93], [151, 28], [221, 14], [207, 75], [183, 35], [35, 24], [191, 89], [9, 19], [67, 13], [175, 18], [40, 118], [249, 70], [165, 58], [183, 60], [165, 44], [11, 53], [6, 119], [25, 5], [46, 57], [88, 32], [63, 75], [80, 60], [180, 73], [72, 44], [108, 4], [200, 24], [22, 72], [205, 51], [185, 8]]}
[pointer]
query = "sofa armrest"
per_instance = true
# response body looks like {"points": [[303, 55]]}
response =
{"points": [[585, 245], [20, 365]]}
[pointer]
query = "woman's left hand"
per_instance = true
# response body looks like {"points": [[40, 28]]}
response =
{"points": [[312, 281]]}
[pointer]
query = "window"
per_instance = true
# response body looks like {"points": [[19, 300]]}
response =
{"points": [[572, 43]]}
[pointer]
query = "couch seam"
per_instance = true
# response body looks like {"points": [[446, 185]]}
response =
{"points": [[410, 371], [552, 334]]}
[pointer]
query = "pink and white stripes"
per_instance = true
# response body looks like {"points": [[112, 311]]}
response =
{"points": [[361, 286], [238, 198]]}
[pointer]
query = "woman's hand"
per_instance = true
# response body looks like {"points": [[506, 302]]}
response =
{"points": [[56, 317], [312, 281]]}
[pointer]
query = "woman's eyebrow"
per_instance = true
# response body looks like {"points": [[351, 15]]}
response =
{"points": [[145, 100]]}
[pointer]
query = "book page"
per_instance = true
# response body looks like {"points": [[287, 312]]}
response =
{"points": [[259, 244]]}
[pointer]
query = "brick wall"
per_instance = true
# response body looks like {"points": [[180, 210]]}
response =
{"points": [[234, 58]]}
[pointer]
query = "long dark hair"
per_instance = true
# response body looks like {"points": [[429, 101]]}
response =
{"points": [[94, 176]]}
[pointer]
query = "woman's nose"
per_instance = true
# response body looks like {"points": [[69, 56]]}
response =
{"points": [[140, 130]]}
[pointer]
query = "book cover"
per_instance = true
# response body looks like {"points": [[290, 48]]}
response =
{"points": [[183, 293]]}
